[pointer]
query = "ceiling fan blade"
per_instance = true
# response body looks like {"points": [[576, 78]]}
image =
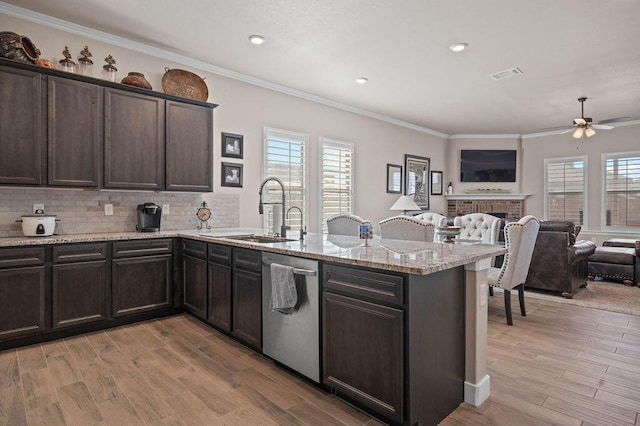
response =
{"points": [[602, 126], [614, 120], [579, 121], [549, 129], [566, 131]]}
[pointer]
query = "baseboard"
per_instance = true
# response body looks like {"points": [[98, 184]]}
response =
{"points": [[476, 393]]}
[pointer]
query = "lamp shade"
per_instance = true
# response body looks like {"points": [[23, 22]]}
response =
{"points": [[578, 133], [405, 203]]}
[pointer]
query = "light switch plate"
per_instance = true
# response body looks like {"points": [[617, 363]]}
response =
{"points": [[38, 207], [166, 209], [108, 209]]}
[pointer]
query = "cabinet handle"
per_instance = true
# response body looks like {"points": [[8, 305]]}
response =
{"points": [[298, 271]]}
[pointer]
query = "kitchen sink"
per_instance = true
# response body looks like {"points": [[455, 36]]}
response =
{"points": [[258, 238]]}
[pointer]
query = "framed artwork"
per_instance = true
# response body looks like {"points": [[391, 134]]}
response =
{"points": [[231, 174], [231, 145], [436, 183], [394, 179], [416, 179]]}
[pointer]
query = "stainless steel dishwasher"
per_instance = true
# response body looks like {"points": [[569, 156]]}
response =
{"points": [[293, 339]]}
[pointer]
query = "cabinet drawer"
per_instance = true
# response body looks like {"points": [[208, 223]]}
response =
{"points": [[247, 259], [364, 284], [22, 256], [79, 252], [195, 249], [220, 254], [141, 248]]}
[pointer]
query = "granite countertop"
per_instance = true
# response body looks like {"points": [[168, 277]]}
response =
{"points": [[412, 257]]}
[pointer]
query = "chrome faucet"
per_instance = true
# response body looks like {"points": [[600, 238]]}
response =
{"points": [[283, 229], [303, 230]]}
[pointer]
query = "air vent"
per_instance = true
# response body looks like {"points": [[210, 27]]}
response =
{"points": [[506, 73]]}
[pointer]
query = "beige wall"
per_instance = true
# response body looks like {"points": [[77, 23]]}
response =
{"points": [[246, 109]]}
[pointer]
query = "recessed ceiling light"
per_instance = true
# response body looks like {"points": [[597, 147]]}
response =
{"points": [[458, 47], [256, 39], [361, 80]]}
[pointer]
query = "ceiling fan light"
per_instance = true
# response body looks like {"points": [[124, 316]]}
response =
{"points": [[578, 133], [589, 132]]}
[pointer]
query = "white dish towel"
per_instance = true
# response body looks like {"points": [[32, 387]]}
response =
{"points": [[284, 295]]}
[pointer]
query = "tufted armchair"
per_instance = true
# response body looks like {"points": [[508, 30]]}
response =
{"points": [[438, 220], [479, 226], [520, 239], [406, 228], [346, 224]]}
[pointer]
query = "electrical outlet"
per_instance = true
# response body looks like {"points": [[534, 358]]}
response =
{"points": [[166, 209], [108, 209], [38, 207]]}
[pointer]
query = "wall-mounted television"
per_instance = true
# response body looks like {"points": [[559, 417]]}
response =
{"points": [[488, 165]]}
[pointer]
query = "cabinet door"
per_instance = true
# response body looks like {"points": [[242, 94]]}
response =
{"points": [[22, 292], [140, 284], [195, 286], [74, 132], [247, 307], [189, 147], [134, 141], [220, 296], [21, 127], [363, 354], [80, 293]]}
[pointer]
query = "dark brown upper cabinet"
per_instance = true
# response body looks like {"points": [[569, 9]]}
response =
{"points": [[75, 117], [189, 147], [23, 157], [134, 140]]}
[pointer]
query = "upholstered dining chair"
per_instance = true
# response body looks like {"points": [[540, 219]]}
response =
{"points": [[406, 228], [520, 239], [346, 224], [478, 226], [437, 219]]}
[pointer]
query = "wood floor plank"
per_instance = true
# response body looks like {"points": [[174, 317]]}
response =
{"points": [[101, 383], [215, 394], [48, 415], [31, 358], [63, 370], [149, 405], [119, 411], [38, 389], [310, 414], [77, 405], [12, 408], [9, 370]]}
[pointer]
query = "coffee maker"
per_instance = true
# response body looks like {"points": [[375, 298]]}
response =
{"points": [[149, 215]]}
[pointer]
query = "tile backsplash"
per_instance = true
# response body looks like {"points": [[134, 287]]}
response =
{"points": [[82, 211]]}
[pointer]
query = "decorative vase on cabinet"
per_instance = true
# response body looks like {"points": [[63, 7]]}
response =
{"points": [[136, 79]]}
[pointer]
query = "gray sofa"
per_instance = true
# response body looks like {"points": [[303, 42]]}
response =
{"points": [[618, 259], [559, 262]]}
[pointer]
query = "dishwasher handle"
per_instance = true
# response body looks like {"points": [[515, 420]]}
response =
{"points": [[298, 271]]}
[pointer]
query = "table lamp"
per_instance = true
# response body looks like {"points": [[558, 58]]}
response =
{"points": [[406, 204]]}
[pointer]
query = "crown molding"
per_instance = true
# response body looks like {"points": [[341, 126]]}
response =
{"points": [[481, 136], [59, 24]]}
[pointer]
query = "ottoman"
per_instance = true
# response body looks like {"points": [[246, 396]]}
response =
{"points": [[617, 259]]}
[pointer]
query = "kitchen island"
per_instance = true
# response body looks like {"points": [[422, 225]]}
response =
{"points": [[423, 303]]}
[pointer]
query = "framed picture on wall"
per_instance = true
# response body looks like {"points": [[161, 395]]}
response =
{"points": [[231, 145], [231, 175], [416, 179], [394, 179], [436, 183]]}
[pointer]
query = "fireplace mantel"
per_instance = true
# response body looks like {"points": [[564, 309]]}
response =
{"points": [[487, 196]]}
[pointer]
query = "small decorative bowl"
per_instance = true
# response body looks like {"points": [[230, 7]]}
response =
{"points": [[448, 233]]}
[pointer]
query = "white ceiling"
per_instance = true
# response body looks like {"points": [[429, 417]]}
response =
{"points": [[566, 49]]}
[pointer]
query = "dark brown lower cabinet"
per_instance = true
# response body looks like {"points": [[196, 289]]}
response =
{"points": [[219, 296], [363, 353], [23, 296], [247, 307], [80, 293], [195, 286], [141, 284]]}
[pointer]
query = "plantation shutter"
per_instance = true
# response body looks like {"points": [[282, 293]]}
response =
{"points": [[565, 189], [622, 190], [337, 179]]}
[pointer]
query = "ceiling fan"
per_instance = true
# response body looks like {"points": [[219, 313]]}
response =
{"points": [[584, 126]]}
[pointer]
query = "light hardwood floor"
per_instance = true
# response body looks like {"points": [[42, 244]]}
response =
{"points": [[561, 364]]}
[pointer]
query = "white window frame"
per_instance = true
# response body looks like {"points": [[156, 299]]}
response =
{"points": [[585, 175], [304, 140], [326, 142], [603, 213]]}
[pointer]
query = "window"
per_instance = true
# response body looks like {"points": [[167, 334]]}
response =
{"points": [[285, 159], [621, 190], [336, 164], [565, 189]]}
